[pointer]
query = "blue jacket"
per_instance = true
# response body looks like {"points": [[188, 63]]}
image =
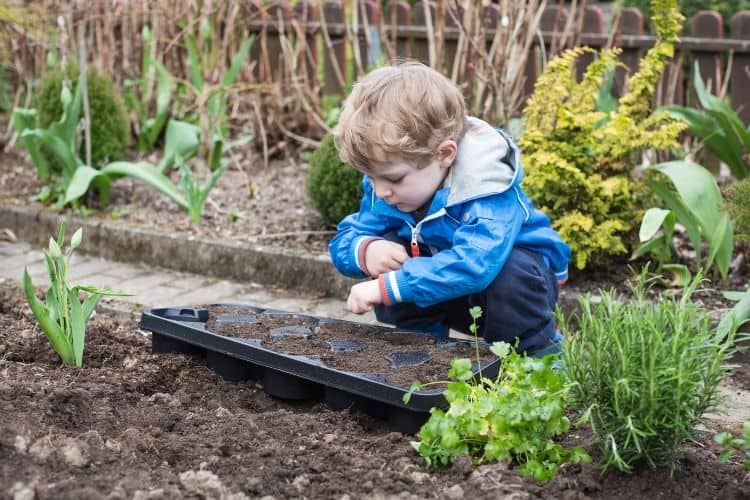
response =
{"points": [[474, 220]]}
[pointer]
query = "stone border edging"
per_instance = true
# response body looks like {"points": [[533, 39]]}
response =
{"points": [[223, 259]]}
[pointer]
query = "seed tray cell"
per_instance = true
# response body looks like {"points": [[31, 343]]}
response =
{"points": [[293, 376]]}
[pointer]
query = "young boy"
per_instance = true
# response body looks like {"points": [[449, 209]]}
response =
{"points": [[443, 224]]}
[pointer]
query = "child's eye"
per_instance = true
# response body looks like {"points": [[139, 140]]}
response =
{"points": [[395, 181]]}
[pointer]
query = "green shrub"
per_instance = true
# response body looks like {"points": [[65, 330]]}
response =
{"points": [[579, 158], [644, 373], [334, 188], [110, 129], [738, 205]]}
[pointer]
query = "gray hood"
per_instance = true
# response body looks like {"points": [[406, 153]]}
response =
{"points": [[486, 163]]}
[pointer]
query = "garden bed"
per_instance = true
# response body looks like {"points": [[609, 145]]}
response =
{"points": [[167, 426], [276, 214]]}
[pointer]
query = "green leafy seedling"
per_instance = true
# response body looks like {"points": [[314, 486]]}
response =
{"points": [[62, 316], [515, 416]]}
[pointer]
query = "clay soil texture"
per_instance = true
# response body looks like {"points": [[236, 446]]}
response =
{"points": [[131, 424], [378, 353]]}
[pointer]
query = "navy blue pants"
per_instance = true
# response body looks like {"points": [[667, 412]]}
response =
{"points": [[518, 305]]}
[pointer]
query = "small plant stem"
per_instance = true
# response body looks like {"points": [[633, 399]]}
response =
{"points": [[83, 82]]}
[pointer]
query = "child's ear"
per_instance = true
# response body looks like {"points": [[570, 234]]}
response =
{"points": [[447, 153]]}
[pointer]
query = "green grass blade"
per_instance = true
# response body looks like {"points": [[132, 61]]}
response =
{"points": [[51, 329], [194, 63], [237, 61]]}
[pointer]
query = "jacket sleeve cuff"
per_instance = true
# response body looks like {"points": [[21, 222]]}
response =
{"points": [[394, 288], [360, 251]]}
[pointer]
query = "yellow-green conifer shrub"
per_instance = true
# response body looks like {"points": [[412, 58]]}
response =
{"points": [[738, 204], [110, 128], [579, 160]]}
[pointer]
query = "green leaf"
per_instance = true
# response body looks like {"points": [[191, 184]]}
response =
{"points": [[77, 326], [500, 349], [99, 290], [51, 329], [181, 139], [739, 314], [194, 62], [89, 305], [652, 221], [81, 182], [145, 172], [68, 159], [154, 126], [26, 119], [701, 196], [238, 61], [414, 387], [75, 241], [681, 273], [54, 249], [461, 369], [684, 215]]}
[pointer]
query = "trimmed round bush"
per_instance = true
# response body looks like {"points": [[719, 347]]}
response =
{"points": [[110, 128], [333, 187]]}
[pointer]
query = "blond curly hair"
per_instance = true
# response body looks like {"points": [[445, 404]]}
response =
{"points": [[406, 110]]}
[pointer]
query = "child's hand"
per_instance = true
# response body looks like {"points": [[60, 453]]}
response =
{"points": [[382, 256], [363, 296]]}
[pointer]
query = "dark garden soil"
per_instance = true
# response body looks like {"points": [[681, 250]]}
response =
{"points": [[130, 424], [371, 351]]}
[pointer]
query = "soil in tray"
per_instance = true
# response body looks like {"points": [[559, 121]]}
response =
{"points": [[384, 354]]}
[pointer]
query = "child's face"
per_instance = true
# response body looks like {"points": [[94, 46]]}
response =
{"points": [[405, 186]]}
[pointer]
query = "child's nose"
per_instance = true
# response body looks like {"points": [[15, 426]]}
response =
{"points": [[382, 190]]}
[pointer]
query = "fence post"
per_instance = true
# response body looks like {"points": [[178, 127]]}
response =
{"points": [[708, 24], [739, 83], [369, 44], [305, 12], [553, 20], [399, 14], [254, 11], [335, 56], [630, 23], [421, 43], [593, 22]]}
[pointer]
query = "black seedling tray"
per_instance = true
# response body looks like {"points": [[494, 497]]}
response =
{"points": [[289, 376]]}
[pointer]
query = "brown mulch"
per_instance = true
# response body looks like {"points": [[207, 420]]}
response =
{"points": [[131, 424]]}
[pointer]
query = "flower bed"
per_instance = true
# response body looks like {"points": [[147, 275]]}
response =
{"points": [[130, 421]]}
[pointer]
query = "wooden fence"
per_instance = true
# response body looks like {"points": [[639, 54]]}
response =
{"points": [[115, 46], [724, 62]]}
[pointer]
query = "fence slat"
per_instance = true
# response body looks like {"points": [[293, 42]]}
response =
{"points": [[422, 45], [399, 14], [335, 56], [708, 24], [369, 43], [593, 22], [630, 23], [305, 12], [739, 84]]}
